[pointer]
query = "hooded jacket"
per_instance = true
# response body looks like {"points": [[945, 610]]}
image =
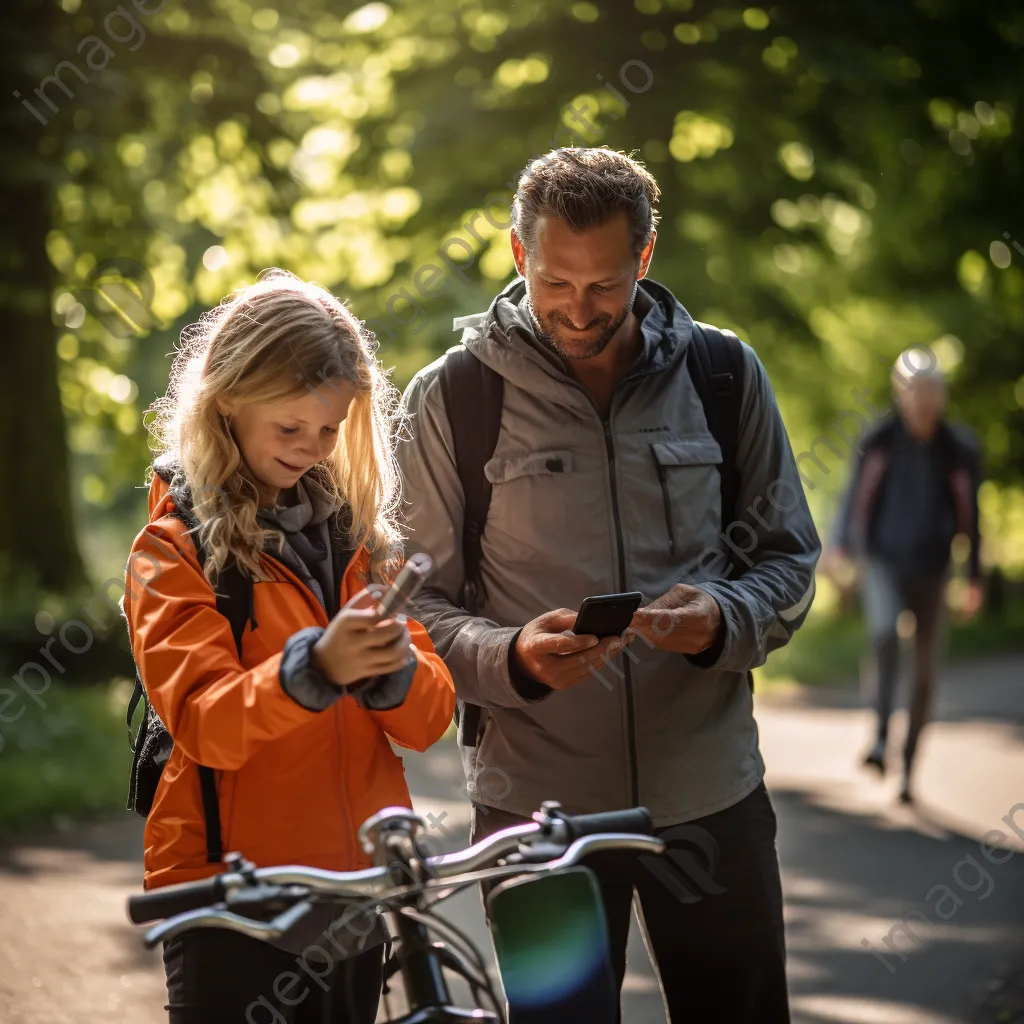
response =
{"points": [[583, 505], [299, 767]]}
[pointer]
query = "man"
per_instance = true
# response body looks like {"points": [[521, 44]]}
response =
{"points": [[605, 479], [914, 488]]}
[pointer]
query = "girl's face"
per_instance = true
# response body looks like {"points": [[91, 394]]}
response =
{"points": [[282, 439]]}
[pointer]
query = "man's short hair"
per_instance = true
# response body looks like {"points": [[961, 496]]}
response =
{"points": [[583, 188]]}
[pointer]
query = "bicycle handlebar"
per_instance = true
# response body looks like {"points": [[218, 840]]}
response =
{"points": [[579, 835], [171, 900], [634, 820]]}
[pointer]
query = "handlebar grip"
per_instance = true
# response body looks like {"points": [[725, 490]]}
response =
{"points": [[169, 900], [633, 820]]}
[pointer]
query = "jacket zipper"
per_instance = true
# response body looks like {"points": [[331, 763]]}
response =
{"points": [[663, 478], [628, 678], [351, 851], [630, 713]]}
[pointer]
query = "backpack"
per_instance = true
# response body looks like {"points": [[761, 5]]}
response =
{"points": [[473, 395], [152, 744]]}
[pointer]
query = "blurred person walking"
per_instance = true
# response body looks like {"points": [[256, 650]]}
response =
{"points": [[913, 490]]}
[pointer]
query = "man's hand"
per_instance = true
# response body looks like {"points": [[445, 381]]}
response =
{"points": [[547, 650], [686, 620]]}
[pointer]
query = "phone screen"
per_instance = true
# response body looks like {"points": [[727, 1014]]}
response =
{"points": [[551, 942], [607, 615]]}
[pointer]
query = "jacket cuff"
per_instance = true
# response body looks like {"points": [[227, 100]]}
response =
{"points": [[386, 692], [526, 686], [710, 655], [299, 676]]}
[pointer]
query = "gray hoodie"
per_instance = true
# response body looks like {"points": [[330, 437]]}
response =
{"points": [[579, 507]]}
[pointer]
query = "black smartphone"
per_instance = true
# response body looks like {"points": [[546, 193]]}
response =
{"points": [[607, 614]]}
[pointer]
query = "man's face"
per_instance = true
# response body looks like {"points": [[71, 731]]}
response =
{"points": [[921, 402], [580, 286]]}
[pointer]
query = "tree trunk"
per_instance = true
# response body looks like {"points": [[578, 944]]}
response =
{"points": [[38, 546]]}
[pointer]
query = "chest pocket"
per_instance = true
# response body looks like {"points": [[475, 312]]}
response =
{"points": [[690, 486], [530, 502]]}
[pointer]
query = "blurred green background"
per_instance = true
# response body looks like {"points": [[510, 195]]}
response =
{"points": [[840, 182]]}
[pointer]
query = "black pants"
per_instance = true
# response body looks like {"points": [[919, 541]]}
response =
{"points": [[711, 910], [886, 595], [221, 977]]}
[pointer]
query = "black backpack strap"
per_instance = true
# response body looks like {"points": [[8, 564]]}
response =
{"points": [[473, 395], [211, 812], [235, 601], [138, 694], [715, 361]]}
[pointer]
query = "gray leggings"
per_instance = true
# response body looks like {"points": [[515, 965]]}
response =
{"points": [[886, 594]]}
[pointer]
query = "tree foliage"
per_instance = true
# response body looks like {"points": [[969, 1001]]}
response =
{"points": [[840, 182]]}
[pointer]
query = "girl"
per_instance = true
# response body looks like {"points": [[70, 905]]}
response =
{"points": [[275, 438]]}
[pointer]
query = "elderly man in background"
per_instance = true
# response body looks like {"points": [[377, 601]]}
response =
{"points": [[914, 489]]}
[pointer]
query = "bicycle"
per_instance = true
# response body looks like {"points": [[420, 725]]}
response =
{"points": [[409, 886]]}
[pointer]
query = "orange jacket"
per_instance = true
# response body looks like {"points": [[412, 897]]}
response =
{"points": [[294, 785]]}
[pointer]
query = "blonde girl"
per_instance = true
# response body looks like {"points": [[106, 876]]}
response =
{"points": [[275, 480]]}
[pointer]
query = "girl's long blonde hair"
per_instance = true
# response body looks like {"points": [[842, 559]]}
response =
{"points": [[275, 339]]}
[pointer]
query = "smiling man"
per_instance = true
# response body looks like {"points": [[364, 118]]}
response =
{"points": [[606, 476]]}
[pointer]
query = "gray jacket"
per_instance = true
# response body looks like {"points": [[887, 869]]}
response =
{"points": [[579, 507]]}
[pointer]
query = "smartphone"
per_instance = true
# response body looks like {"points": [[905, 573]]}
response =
{"points": [[406, 586], [551, 946], [607, 614]]}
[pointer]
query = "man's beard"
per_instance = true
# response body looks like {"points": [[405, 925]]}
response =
{"points": [[569, 348]]}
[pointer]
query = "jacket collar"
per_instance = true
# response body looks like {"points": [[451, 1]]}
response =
{"points": [[504, 338]]}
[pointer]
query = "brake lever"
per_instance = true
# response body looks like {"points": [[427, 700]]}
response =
{"points": [[535, 853], [218, 917], [265, 896]]}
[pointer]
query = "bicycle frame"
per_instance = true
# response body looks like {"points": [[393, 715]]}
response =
{"points": [[426, 989]]}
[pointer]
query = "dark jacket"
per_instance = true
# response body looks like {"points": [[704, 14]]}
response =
{"points": [[858, 525]]}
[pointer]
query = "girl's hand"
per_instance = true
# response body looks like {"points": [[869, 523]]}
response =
{"points": [[359, 644]]}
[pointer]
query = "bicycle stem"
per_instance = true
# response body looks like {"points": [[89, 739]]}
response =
{"points": [[421, 965]]}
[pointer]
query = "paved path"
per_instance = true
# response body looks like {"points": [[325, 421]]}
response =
{"points": [[854, 864]]}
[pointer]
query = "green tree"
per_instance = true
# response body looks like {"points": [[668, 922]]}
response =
{"points": [[837, 183]]}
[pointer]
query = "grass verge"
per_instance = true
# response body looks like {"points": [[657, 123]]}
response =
{"points": [[828, 651], [66, 759]]}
